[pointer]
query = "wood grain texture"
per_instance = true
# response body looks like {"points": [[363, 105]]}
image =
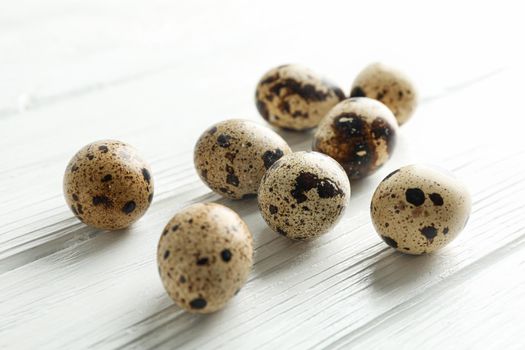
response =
{"points": [[156, 74]]}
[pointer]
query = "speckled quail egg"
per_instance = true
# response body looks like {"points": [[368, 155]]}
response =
{"points": [[204, 256], [232, 156], [389, 86], [108, 185], [360, 133], [417, 209], [293, 97], [303, 195]]}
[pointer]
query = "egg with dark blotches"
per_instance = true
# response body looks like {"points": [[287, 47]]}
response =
{"points": [[204, 256], [293, 97], [232, 156], [108, 185], [303, 195], [418, 209], [388, 85], [359, 133]]}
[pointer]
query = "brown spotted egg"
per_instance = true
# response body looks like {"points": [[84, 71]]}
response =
{"points": [[303, 195], [204, 257], [389, 86], [360, 133], [294, 97], [232, 156], [108, 185], [418, 209]]}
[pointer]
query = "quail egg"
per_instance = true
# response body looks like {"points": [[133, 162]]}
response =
{"points": [[204, 257], [108, 185], [417, 209], [232, 156], [293, 97], [389, 86], [303, 195], [359, 133]]}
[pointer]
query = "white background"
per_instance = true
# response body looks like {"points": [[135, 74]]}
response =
{"points": [[157, 73]]}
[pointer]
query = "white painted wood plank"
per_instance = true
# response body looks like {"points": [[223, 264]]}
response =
{"points": [[66, 49], [262, 298], [326, 283], [483, 311], [163, 73]]}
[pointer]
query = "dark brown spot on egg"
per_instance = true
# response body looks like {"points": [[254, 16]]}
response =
{"points": [[351, 124], [263, 110], [103, 149], [281, 231], [203, 261], [273, 209], [307, 92], [129, 207], [223, 140], [226, 255], [391, 174], [339, 93], [298, 114], [102, 200], [74, 210], [225, 190], [429, 232], [436, 199], [390, 241], [198, 303], [146, 175], [230, 156], [284, 107], [270, 79], [271, 156], [306, 181], [232, 179], [107, 178], [381, 129], [166, 254], [381, 94], [335, 89], [415, 196], [357, 92]]}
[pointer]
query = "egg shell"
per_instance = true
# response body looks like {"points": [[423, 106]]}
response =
{"points": [[108, 185], [293, 97], [388, 85], [360, 133], [204, 256], [232, 156], [418, 209], [303, 195]]}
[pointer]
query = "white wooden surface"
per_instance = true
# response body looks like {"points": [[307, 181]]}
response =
{"points": [[157, 73]]}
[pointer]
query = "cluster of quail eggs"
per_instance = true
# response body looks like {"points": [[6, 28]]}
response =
{"points": [[205, 252]]}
